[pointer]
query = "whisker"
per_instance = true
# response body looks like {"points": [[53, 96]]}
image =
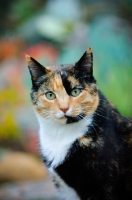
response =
{"points": [[81, 116], [103, 100], [103, 116], [94, 129], [47, 115], [81, 77]]}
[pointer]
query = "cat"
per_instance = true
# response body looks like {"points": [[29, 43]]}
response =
{"points": [[85, 142]]}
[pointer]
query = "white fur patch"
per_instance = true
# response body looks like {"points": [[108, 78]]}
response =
{"points": [[64, 191], [60, 114], [56, 138]]}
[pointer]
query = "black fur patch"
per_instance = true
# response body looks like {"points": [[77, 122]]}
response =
{"points": [[74, 119], [66, 83]]}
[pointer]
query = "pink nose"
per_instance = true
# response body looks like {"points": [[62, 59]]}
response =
{"points": [[64, 109]]}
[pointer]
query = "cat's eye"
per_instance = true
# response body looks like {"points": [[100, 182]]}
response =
{"points": [[75, 92], [50, 95]]}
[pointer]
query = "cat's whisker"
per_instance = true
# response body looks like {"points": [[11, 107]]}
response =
{"points": [[90, 107], [81, 116], [103, 100], [46, 115], [50, 117], [81, 77], [33, 124], [102, 116], [94, 129]]}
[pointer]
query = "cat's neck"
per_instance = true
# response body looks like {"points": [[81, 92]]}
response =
{"points": [[54, 129], [56, 138]]}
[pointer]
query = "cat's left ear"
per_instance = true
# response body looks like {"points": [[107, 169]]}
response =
{"points": [[35, 68], [85, 64]]}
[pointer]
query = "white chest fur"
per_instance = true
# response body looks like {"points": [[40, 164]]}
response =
{"points": [[56, 138]]}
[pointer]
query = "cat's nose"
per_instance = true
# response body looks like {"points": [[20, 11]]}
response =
{"points": [[64, 109]]}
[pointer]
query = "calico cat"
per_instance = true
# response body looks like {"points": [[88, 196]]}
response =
{"points": [[85, 142]]}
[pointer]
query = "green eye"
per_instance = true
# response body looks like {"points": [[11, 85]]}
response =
{"points": [[50, 95], [75, 92]]}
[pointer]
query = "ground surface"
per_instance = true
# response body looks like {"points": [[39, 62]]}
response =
{"points": [[33, 190]]}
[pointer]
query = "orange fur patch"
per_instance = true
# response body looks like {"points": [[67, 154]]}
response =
{"points": [[85, 141], [74, 82]]}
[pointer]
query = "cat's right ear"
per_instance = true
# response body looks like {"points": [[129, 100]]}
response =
{"points": [[85, 64], [35, 68]]}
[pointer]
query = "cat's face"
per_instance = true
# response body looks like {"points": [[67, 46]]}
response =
{"points": [[65, 93]]}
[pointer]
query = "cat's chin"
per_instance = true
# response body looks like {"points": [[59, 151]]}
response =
{"points": [[62, 120]]}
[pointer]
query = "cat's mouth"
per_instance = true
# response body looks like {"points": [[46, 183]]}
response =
{"points": [[71, 119], [74, 119]]}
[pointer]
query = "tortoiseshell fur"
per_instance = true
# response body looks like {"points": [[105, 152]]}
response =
{"points": [[97, 164]]}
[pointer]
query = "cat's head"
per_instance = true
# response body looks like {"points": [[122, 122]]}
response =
{"points": [[65, 93]]}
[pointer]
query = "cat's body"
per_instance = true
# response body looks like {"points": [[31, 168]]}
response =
{"points": [[84, 141]]}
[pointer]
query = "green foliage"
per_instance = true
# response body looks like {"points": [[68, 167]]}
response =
{"points": [[22, 10], [116, 85]]}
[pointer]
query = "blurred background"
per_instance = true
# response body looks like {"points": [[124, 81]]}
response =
{"points": [[54, 32]]}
